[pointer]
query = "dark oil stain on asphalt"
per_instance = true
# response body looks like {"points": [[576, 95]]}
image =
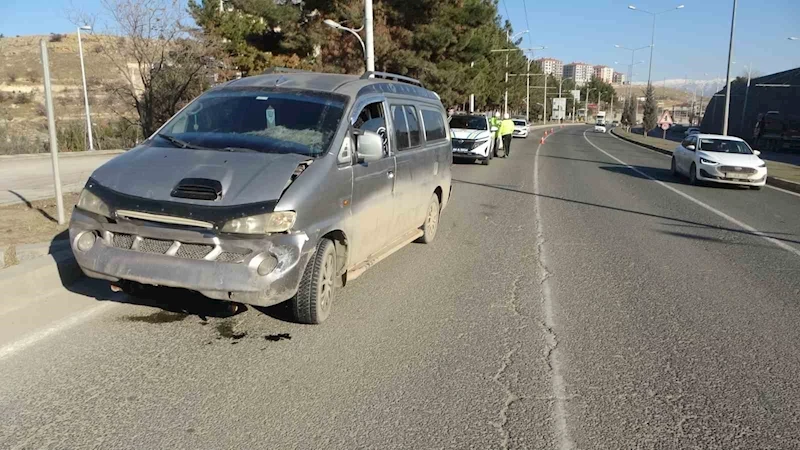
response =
{"points": [[158, 317], [278, 337], [225, 330]]}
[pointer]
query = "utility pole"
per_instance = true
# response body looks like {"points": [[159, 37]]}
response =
{"points": [[51, 127], [370, 41], [728, 76], [85, 91], [544, 102]]}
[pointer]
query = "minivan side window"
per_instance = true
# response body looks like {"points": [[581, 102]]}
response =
{"points": [[400, 127], [433, 123], [413, 125]]}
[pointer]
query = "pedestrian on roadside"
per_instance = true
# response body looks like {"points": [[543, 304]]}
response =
{"points": [[506, 131], [494, 122]]}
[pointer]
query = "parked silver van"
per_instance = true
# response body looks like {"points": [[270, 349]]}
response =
{"points": [[276, 187]]}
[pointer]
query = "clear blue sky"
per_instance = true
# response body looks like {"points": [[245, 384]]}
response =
{"points": [[689, 42]]}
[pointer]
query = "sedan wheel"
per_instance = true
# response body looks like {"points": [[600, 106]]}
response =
{"points": [[673, 168], [693, 175]]}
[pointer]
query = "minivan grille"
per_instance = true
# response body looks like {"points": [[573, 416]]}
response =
{"points": [[126, 241], [198, 189]]}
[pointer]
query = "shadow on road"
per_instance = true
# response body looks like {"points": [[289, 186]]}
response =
{"points": [[629, 211], [30, 206], [663, 175]]}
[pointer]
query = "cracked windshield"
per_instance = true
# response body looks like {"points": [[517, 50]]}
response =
{"points": [[246, 224]]}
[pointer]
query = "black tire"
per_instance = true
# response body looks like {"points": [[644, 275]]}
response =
{"points": [[756, 188], [673, 169], [314, 299], [693, 175], [485, 161], [431, 224]]}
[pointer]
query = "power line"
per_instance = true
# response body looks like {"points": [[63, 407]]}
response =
{"points": [[527, 24]]}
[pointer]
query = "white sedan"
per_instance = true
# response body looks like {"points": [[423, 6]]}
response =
{"points": [[520, 128], [719, 159], [600, 128]]}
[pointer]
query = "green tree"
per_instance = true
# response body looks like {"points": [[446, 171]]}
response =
{"points": [[650, 114], [629, 113]]}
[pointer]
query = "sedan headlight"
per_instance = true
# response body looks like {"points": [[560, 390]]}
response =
{"points": [[708, 161], [477, 144], [92, 203], [763, 164], [274, 222]]}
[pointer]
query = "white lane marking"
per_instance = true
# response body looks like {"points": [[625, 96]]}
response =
{"points": [[736, 222], [557, 380], [33, 338], [670, 156]]}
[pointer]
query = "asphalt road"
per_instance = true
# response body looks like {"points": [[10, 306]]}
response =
{"points": [[569, 301], [26, 178]]}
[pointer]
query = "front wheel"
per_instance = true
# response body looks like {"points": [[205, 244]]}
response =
{"points": [[673, 169], [314, 299], [756, 188], [431, 221], [693, 175], [485, 161]]}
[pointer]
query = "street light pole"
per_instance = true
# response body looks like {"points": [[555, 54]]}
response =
{"points": [[354, 32], [85, 91], [370, 46], [728, 75], [653, 34], [508, 41]]}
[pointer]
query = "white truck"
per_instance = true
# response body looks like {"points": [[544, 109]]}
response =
{"points": [[601, 117]]}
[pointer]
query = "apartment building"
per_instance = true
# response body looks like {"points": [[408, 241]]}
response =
{"points": [[619, 78], [551, 66], [581, 72], [604, 73]]}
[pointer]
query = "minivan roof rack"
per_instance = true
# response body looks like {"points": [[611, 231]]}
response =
{"points": [[393, 77], [272, 70]]}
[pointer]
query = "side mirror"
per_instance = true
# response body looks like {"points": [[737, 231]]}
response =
{"points": [[756, 152], [369, 146], [494, 129], [690, 147]]}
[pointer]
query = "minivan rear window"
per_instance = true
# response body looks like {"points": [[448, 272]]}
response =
{"points": [[259, 120]]}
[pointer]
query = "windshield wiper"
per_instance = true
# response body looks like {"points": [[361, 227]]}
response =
{"points": [[179, 143], [240, 149]]}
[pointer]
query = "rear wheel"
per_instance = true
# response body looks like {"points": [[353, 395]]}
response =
{"points": [[314, 299], [431, 224], [693, 175]]}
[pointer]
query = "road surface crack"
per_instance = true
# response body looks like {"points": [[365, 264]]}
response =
{"points": [[510, 398]]}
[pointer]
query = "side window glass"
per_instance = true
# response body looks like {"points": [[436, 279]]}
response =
{"points": [[373, 118], [413, 125], [433, 123], [400, 128]]}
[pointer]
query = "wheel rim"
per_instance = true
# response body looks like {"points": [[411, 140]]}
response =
{"points": [[326, 284], [433, 219]]}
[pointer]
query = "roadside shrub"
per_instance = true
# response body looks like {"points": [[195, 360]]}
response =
{"points": [[56, 37], [23, 98], [41, 109], [34, 78], [5, 97], [12, 77]]}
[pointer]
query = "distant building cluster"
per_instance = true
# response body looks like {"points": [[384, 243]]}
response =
{"points": [[582, 73]]}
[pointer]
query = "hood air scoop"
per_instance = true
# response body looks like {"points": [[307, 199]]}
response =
{"points": [[198, 189]]}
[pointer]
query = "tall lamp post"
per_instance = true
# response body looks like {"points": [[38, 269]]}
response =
{"points": [[653, 35], [85, 91], [728, 74], [630, 67], [354, 31]]}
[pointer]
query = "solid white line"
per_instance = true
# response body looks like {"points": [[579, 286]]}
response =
{"points": [[557, 380], [33, 338], [670, 156], [736, 222]]}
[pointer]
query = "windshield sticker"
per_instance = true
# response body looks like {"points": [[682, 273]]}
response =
{"points": [[262, 97], [270, 117]]}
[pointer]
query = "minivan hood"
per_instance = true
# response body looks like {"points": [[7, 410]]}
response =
{"points": [[153, 172], [463, 133], [731, 158]]}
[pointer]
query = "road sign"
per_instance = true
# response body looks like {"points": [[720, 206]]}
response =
{"points": [[666, 118], [576, 94], [559, 108], [665, 126]]}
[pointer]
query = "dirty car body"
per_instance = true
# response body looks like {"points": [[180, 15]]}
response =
{"points": [[232, 197]]}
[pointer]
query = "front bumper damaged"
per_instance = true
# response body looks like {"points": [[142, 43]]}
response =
{"points": [[219, 266]]}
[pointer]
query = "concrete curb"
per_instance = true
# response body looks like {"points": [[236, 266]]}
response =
{"points": [[37, 278], [772, 181], [61, 154]]}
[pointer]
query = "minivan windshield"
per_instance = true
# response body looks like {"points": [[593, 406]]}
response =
{"points": [[520, 123], [258, 120], [724, 146], [468, 122]]}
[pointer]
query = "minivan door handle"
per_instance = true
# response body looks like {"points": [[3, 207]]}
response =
{"points": [[390, 174]]}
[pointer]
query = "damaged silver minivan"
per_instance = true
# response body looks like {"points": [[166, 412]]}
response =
{"points": [[271, 188]]}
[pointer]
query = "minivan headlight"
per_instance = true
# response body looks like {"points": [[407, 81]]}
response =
{"points": [[92, 203], [477, 144], [274, 222]]}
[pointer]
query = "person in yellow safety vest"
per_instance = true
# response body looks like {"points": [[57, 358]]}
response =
{"points": [[494, 122], [506, 131]]}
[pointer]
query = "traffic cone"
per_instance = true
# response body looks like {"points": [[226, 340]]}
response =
{"points": [[545, 132], [541, 141], [551, 130]]}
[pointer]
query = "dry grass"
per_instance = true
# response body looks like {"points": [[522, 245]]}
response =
{"points": [[33, 222]]}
